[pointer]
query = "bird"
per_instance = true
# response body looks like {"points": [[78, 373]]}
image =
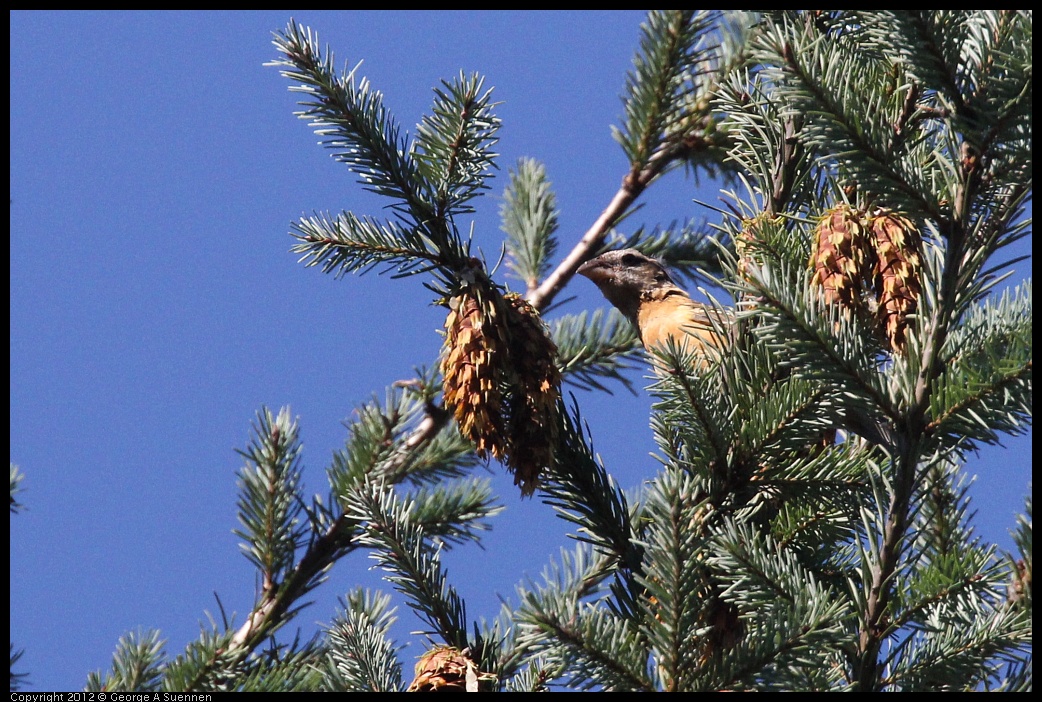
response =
{"points": [[641, 288]]}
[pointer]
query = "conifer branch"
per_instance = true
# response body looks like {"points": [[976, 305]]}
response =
{"points": [[591, 347], [529, 214], [355, 124], [584, 493], [17, 476], [399, 548], [269, 507], [828, 99], [597, 648], [137, 665], [428, 182], [360, 656], [667, 119], [393, 457]]}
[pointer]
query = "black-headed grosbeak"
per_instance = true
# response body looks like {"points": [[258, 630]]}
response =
{"points": [[641, 288]]}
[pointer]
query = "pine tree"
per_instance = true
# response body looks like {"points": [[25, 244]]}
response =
{"points": [[810, 527]]}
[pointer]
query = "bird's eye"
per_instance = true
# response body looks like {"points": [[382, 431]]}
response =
{"points": [[630, 259]]}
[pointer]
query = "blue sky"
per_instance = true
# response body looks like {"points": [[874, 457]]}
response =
{"points": [[156, 167]]}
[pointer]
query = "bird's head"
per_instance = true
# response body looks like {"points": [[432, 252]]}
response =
{"points": [[626, 277]]}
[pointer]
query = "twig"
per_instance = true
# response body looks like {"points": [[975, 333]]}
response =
{"points": [[267, 614], [632, 186]]}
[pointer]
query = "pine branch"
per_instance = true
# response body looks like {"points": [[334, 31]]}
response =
{"points": [[400, 548], [427, 184], [349, 244], [827, 84], [987, 388], [817, 341], [594, 647], [593, 347], [784, 418], [400, 439], [693, 421], [432, 450], [677, 589], [17, 476], [18, 679], [942, 541], [939, 40], [668, 119], [792, 620], [207, 664], [137, 665], [959, 623], [351, 118], [453, 514], [276, 606], [1019, 589], [534, 678], [270, 503], [768, 144], [282, 668], [819, 493], [584, 493], [581, 572], [529, 214], [675, 49], [982, 65], [336, 534], [360, 656], [893, 490], [453, 144]]}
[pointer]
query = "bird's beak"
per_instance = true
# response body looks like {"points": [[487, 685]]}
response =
{"points": [[595, 269]]}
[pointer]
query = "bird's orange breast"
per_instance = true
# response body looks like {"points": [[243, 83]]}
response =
{"points": [[679, 317]]}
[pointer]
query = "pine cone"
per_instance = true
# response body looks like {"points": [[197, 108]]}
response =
{"points": [[842, 257], [471, 385], [501, 382], [533, 420], [445, 669], [898, 247]]}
